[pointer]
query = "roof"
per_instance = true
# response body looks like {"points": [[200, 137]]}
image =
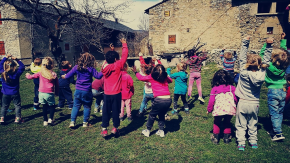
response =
{"points": [[116, 26], [147, 10]]}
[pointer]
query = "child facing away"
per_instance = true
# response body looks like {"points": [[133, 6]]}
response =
{"points": [[83, 94], [162, 101], [195, 64], [98, 94], [222, 104], [252, 76], [48, 87], [112, 70], [65, 92], [35, 68], [228, 60], [127, 93], [10, 86], [180, 88], [275, 80]]}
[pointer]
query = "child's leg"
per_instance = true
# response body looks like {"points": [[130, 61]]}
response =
{"points": [[107, 108], [217, 124], [77, 105], [143, 103], [122, 108], [128, 107], [51, 111], [175, 99], [185, 104], [17, 104], [227, 124], [198, 83], [241, 121], [116, 105], [163, 105], [6, 99], [190, 84], [35, 100], [252, 123], [87, 100], [44, 111], [68, 96], [61, 98], [49, 98]]}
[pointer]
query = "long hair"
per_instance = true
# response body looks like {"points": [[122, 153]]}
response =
{"points": [[159, 74], [221, 77], [9, 68], [181, 66], [254, 62], [85, 61], [280, 58], [46, 68], [147, 69]]}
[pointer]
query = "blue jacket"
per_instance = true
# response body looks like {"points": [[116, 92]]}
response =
{"points": [[64, 83], [181, 78]]}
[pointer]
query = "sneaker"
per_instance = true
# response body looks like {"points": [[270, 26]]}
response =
{"points": [[96, 110], [201, 99], [146, 132], [160, 133], [70, 108], [241, 147], [189, 98], [34, 108], [227, 138], [214, 138], [122, 118], [101, 112], [45, 123], [167, 117], [114, 131], [254, 145], [2, 120], [186, 110], [50, 120], [17, 120], [72, 124], [85, 124], [277, 137], [130, 118], [58, 107], [174, 112], [104, 132]]}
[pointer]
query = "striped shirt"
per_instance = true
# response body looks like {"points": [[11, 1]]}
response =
{"points": [[228, 63], [195, 62]]}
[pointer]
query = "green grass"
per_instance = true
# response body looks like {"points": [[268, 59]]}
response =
{"points": [[186, 140]]}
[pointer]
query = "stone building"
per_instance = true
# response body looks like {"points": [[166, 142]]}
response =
{"points": [[175, 25]]}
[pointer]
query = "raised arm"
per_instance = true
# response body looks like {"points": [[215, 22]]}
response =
{"points": [[124, 57], [262, 52], [222, 54], [283, 41], [268, 54], [204, 56], [96, 74], [244, 51], [143, 78], [1, 64], [235, 55], [21, 68], [33, 76], [173, 76]]}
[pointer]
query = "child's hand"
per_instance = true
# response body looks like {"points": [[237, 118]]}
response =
{"points": [[9, 55], [112, 47], [283, 35], [134, 69], [63, 76], [270, 40], [247, 37], [123, 41]]}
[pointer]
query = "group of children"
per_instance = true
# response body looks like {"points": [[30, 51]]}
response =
{"points": [[114, 88]]}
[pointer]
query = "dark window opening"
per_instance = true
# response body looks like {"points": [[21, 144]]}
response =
{"points": [[264, 7], [281, 6], [2, 48], [66, 47], [270, 30], [172, 39], [188, 29]]}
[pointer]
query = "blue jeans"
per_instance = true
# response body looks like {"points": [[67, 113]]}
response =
{"points": [[6, 100], [99, 97], [276, 103], [146, 98], [82, 98]]}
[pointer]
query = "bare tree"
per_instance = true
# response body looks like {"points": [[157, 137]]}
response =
{"points": [[144, 22]]}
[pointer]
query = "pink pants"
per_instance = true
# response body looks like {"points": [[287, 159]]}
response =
{"points": [[195, 76], [126, 102], [226, 124]]}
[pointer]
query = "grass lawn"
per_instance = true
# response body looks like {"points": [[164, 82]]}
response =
{"points": [[187, 135]]}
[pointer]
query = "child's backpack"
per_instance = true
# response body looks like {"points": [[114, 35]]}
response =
{"points": [[224, 104]]}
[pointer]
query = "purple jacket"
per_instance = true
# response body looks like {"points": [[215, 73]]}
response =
{"points": [[84, 78]]}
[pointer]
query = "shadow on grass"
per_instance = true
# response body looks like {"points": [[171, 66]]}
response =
{"points": [[173, 125], [135, 124], [40, 114], [23, 107]]}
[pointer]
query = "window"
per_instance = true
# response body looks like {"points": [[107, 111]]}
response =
{"points": [[166, 13], [2, 48], [172, 39], [281, 6], [0, 18], [270, 30], [66, 47], [188, 30], [264, 7]]}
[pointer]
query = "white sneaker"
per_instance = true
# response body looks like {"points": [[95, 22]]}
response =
{"points": [[50, 121], [201, 99], [58, 107], [146, 132], [70, 108], [85, 124], [160, 133], [72, 124], [45, 123]]}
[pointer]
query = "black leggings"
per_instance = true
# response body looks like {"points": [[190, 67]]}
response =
{"points": [[183, 98], [51, 111]]}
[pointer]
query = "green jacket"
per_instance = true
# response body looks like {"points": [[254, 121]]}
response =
{"points": [[275, 77]]}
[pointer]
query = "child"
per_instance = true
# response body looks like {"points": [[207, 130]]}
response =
{"points": [[127, 93], [195, 63], [65, 92], [48, 87], [228, 61], [275, 80], [152, 61], [222, 104], [10, 86], [83, 94], [112, 70], [180, 88], [236, 78], [98, 93], [252, 76], [162, 101], [35, 68]]}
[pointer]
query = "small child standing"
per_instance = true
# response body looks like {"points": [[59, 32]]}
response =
{"points": [[222, 104], [65, 92], [127, 93], [83, 94], [195, 64], [252, 76], [180, 88], [98, 93], [48, 87], [35, 68], [228, 61], [10, 86]]}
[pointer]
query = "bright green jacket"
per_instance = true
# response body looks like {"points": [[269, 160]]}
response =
{"points": [[275, 77]]}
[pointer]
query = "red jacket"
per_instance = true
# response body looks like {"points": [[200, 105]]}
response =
{"points": [[113, 74], [98, 84], [127, 86], [142, 62]]}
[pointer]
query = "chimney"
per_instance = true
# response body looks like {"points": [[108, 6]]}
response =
{"points": [[116, 20]]}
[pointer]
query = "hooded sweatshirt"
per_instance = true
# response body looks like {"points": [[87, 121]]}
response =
{"points": [[113, 74], [181, 78], [127, 86]]}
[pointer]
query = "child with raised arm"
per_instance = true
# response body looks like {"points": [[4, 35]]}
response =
{"points": [[85, 71], [252, 76], [35, 68], [10, 86], [112, 70], [275, 80], [195, 64], [180, 88], [162, 101], [228, 60], [48, 87]]}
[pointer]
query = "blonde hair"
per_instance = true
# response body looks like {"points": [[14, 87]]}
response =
{"points": [[9, 68], [254, 62], [279, 58], [181, 66], [46, 68], [228, 55]]}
